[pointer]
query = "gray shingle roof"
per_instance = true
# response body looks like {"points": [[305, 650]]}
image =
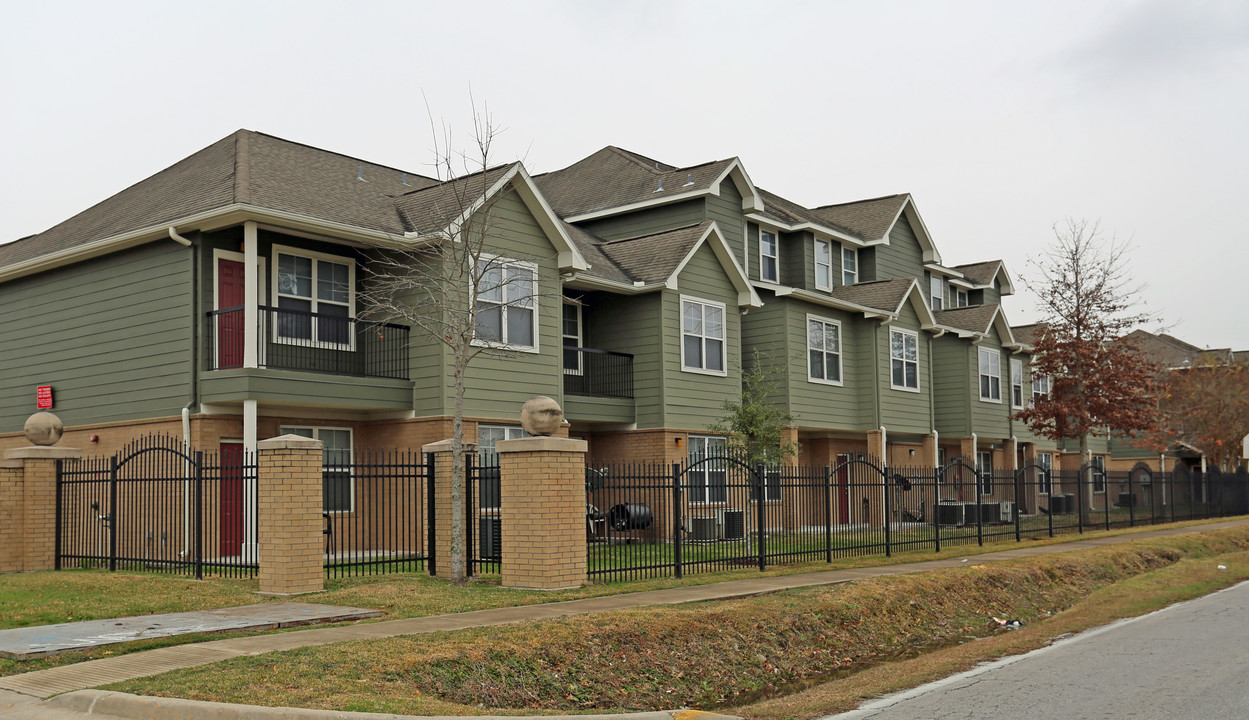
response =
{"points": [[981, 273], [613, 177], [601, 266], [883, 294], [868, 219], [433, 208], [244, 167], [791, 213], [974, 318], [1028, 334], [653, 258]]}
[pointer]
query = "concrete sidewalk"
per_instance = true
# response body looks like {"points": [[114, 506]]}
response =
{"points": [[104, 671]]}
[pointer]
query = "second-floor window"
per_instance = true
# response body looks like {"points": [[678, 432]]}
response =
{"points": [[849, 266], [904, 359], [823, 265], [768, 269], [823, 350], [1040, 386], [990, 375], [1016, 383], [960, 298], [571, 328], [938, 292], [317, 291], [507, 308], [702, 336]]}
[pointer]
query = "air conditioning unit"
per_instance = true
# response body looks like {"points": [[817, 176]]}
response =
{"points": [[1008, 511], [990, 513], [491, 537], [732, 523], [950, 513], [704, 529]]}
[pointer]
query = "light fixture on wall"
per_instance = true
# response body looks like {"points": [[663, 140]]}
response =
{"points": [[911, 452], [95, 438], [680, 441]]}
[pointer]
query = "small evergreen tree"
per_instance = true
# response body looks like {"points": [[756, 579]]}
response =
{"points": [[754, 427]]}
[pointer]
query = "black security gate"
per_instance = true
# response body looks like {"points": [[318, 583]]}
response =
{"points": [[156, 507], [377, 513]]}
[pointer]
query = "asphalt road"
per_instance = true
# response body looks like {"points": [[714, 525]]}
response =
{"points": [[1187, 661]]}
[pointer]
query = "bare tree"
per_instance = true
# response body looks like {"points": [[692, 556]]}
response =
{"points": [[443, 280], [1098, 381]]}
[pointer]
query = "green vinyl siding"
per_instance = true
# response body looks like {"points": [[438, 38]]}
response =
{"points": [[902, 257], [693, 400], [631, 324], [726, 211], [990, 419], [112, 336], [903, 411], [952, 385], [650, 220], [817, 404], [765, 333]]}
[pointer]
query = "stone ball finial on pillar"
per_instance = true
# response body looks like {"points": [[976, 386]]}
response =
{"points": [[44, 429], [541, 416]]}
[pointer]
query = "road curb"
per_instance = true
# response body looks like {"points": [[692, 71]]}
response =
{"points": [[125, 706]]}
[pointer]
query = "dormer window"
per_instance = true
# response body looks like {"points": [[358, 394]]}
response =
{"points": [[849, 266], [938, 292], [960, 298], [768, 256], [823, 265]]}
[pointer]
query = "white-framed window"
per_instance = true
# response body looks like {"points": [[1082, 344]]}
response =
{"points": [[570, 327], [488, 482], [1016, 383], [937, 292], [960, 298], [507, 305], [1045, 480], [338, 492], [768, 256], [702, 336], [849, 265], [984, 476], [315, 296], [1040, 386], [823, 350], [707, 482], [990, 375], [1099, 473], [823, 265], [904, 360]]}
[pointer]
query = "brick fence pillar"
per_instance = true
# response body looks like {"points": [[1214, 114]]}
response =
{"points": [[12, 515], [543, 509], [288, 488], [34, 489], [440, 553]]}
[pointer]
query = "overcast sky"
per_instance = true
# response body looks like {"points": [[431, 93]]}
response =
{"points": [[999, 118]]}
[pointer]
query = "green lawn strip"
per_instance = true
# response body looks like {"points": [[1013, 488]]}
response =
{"points": [[1188, 579], [701, 655]]}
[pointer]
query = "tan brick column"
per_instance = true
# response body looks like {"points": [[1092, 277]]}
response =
{"points": [[929, 451], [38, 499], [543, 509], [12, 510], [289, 521], [967, 448], [442, 504]]}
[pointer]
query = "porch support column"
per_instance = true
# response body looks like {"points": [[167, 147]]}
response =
{"points": [[251, 412], [251, 299], [929, 459]]}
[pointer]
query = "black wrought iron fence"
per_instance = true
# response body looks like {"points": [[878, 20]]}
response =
{"points": [[483, 520], [649, 519], [380, 519], [154, 506]]}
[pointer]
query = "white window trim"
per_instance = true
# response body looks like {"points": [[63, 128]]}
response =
{"points": [[840, 353], [990, 353], [1098, 471], [705, 468], [854, 252], [915, 335], [815, 262], [724, 340], [1016, 365], [315, 257], [503, 263], [580, 338], [936, 295], [960, 298], [1049, 468], [1037, 378], [984, 481], [776, 258], [351, 457]]}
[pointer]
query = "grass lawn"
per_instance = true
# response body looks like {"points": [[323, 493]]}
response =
{"points": [[761, 651]]}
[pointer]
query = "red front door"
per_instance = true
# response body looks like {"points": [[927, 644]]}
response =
{"points": [[231, 499], [230, 294], [843, 489]]}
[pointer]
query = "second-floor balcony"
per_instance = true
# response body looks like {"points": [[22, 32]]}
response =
{"points": [[307, 341], [597, 373]]}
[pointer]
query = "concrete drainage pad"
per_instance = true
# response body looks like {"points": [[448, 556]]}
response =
{"points": [[33, 642]]}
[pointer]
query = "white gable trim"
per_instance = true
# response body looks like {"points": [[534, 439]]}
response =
{"points": [[746, 295]]}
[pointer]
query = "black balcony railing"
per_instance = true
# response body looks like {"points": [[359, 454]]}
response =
{"points": [[312, 342], [597, 373]]}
